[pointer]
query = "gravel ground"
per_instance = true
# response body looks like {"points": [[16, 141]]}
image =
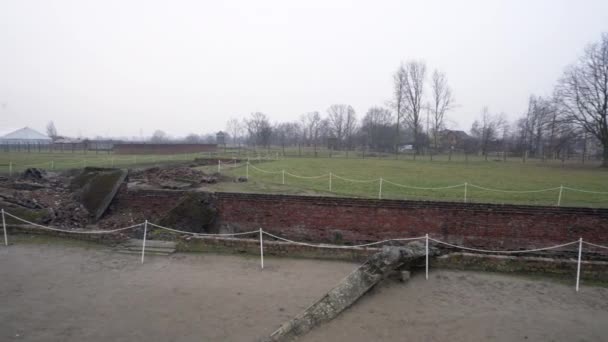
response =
{"points": [[58, 292], [66, 291]]}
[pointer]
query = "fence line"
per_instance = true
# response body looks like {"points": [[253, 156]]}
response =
{"points": [[466, 194], [261, 233]]}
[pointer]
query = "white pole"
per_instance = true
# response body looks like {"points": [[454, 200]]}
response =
{"points": [[261, 249], [283, 177], [247, 170], [578, 267], [219, 166], [465, 191], [380, 189], [559, 197], [52, 165], [427, 255], [4, 226], [330, 181], [10, 169], [143, 245]]}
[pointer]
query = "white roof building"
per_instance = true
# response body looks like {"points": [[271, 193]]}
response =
{"points": [[25, 135]]}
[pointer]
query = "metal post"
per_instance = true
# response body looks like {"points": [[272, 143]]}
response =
{"points": [[559, 197], [465, 191], [4, 227], [380, 189], [578, 267], [426, 237], [283, 177], [143, 245], [330, 181], [261, 249]]}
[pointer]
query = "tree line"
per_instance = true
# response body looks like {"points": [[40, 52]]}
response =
{"points": [[571, 120]]}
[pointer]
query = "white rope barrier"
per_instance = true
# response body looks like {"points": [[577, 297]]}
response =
{"points": [[270, 172], [586, 191], [422, 188], [307, 177], [356, 180], [513, 191], [261, 232], [72, 231], [202, 234], [504, 252], [595, 245], [340, 246]]}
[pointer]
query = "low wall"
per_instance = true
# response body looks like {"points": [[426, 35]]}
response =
{"points": [[163, 148], [351, 220]]}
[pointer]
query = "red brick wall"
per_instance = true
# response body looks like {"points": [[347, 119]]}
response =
{"points": [[163, 148], [362, 220]]}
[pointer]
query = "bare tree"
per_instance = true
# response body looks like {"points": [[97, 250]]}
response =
{"points": [[339, 119], [442, 101], [159, 136], [259, 129], [399, 89], [486, 130], [311, 124], [376, 124], [415, 73], [234, 128], [51, 131], [192, 138], [583, 93]]}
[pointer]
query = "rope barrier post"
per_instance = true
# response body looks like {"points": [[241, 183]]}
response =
{"points": [[380, 189], [465, 191], [219, 166], [261, 249], [4, 227], [426, 237], [283, 172], [143, 245], [559, 197], [10, 169], [330, 181], [578, 267], [52, 165], [247, 170]]}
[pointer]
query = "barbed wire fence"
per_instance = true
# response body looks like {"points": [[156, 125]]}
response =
{"points": [[260, 234]]}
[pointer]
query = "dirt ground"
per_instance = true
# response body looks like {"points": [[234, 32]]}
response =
{"points": [[467, 306], [70, 291], [54, 292]]}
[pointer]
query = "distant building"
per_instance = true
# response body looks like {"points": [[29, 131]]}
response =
{"points": [[449, 139], [220, 138], [25, 136]]}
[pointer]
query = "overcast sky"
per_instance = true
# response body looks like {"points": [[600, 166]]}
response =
{"points": [[125, 68]]}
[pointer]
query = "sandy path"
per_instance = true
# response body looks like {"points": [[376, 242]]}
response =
{"points": [[70, 293], [466, 306]]}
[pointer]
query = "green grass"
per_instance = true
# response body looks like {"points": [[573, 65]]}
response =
{"points": [[19, 161], [494, 173], [511, 175]]}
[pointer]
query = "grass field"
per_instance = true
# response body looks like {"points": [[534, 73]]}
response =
{"points": [[511, 176]]}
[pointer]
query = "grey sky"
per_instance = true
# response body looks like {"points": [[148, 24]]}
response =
{"points": [[115, 67]]}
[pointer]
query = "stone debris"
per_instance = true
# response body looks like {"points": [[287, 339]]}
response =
{"points": [[355, 285]]}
